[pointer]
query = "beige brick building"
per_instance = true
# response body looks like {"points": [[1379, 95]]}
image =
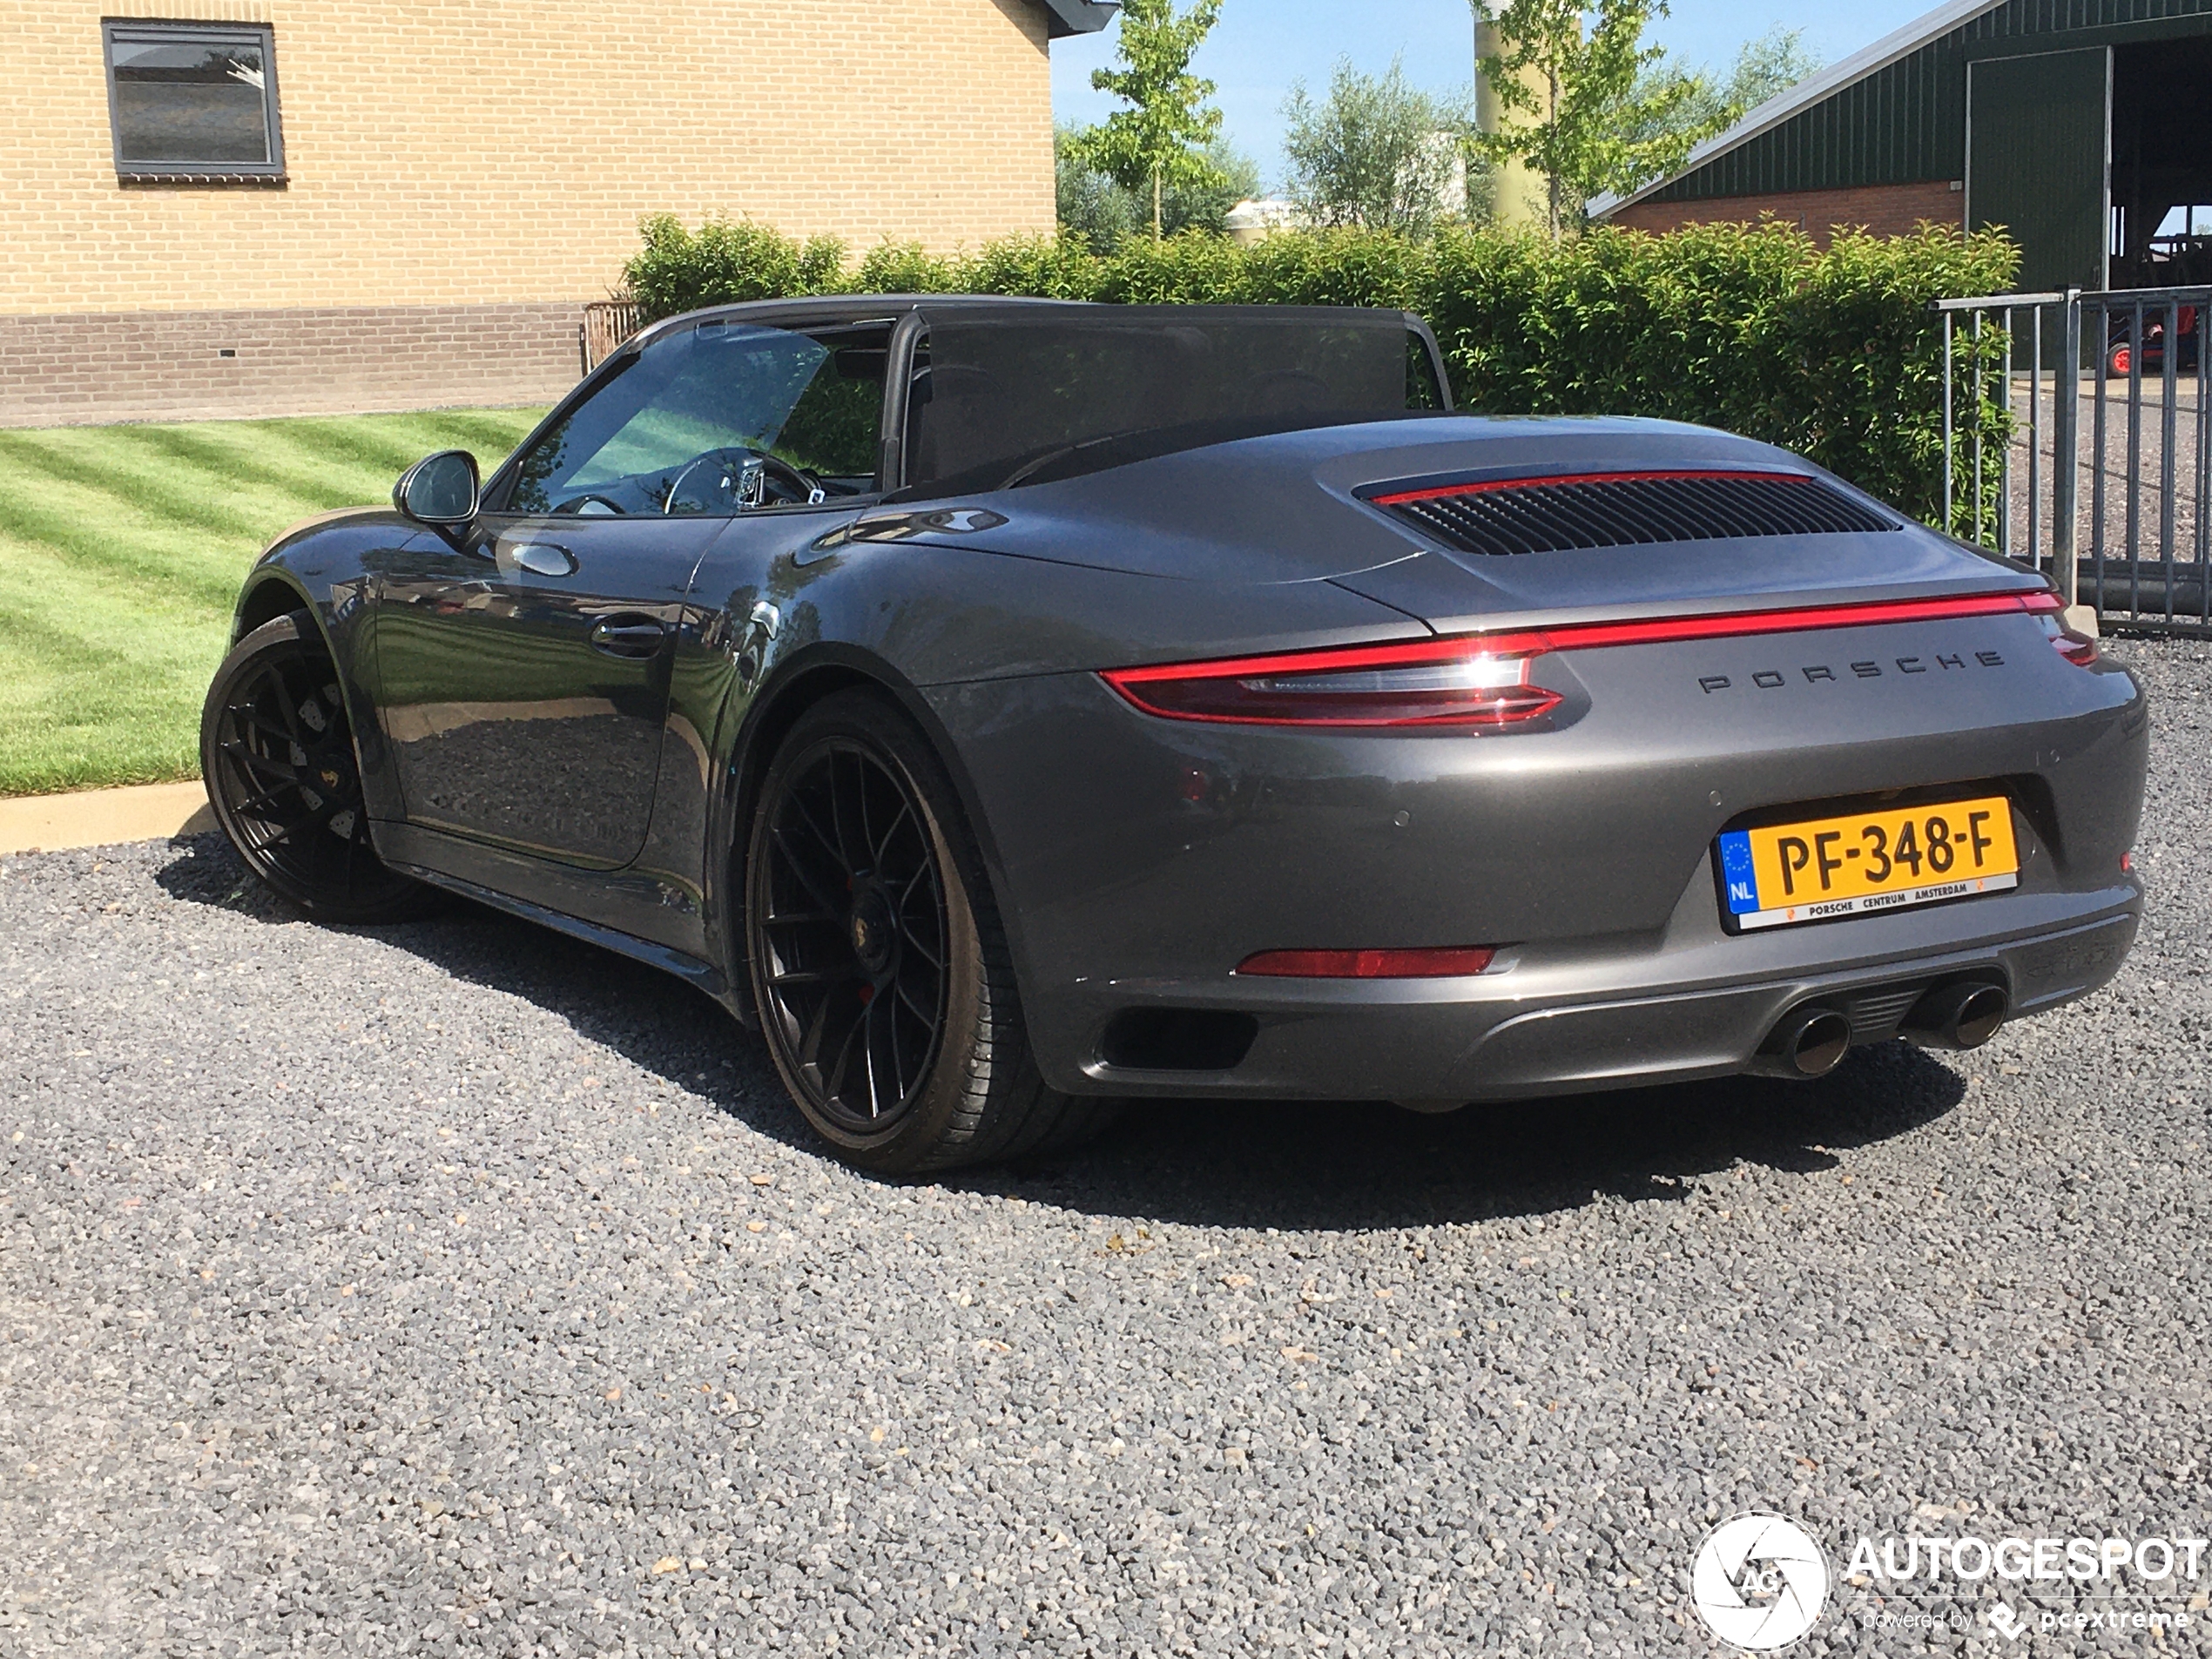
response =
{"points": [[250, 206]]}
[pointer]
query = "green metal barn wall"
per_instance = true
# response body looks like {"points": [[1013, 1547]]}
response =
{"points": [[1908, 122]]}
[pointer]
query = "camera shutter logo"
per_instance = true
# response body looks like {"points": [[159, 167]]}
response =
{"points": [[1759, 1582]]}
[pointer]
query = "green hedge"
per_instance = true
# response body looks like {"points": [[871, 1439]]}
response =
{"points": [[1834, 355]]}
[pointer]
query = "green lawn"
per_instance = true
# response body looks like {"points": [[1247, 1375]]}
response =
{"points": [[121, 552]]}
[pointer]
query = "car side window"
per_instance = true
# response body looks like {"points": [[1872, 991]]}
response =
{"points": [[835, 427], [718, 419]]}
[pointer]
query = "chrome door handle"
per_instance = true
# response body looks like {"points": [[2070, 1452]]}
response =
{"points": [[752, 652], [543, 558], [632, 636]]}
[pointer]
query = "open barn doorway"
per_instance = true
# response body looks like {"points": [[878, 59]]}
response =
{"points": [[2160, 226]]}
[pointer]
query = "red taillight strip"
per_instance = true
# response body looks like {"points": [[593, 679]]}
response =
{"points": [[1411, 653], [1399, 498], [1587, 636]]}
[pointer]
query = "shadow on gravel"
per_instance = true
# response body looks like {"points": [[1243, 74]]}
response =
{"points": [[1359, 1166], [649, 1017], [1289, 1165]]}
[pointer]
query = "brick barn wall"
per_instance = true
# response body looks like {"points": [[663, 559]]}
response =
{"points": [[445, 157], [1886, 209]]}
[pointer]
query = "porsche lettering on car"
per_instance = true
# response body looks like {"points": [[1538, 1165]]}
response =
{"points": [[1012, 708]]}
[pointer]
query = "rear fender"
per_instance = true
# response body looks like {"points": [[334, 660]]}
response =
{"points": [[905, 618], [752, 726]]}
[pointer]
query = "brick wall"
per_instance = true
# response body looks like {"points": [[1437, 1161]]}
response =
{"points": [[444, 157], [1886, 209], [152, 365]]}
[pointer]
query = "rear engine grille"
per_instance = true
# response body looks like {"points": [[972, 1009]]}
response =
{"points": [[1623, 509]]}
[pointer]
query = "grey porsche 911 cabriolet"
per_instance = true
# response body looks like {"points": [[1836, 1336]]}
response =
{"points": [[1013, 707]]}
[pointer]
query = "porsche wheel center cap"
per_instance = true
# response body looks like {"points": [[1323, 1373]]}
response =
{"points": [[869, 929]]}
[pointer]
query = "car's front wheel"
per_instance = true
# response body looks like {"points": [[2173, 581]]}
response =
{"points": [[879, 963], [277, 752]]}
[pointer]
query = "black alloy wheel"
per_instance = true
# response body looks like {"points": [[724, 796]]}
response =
{"points": [[879, 965], [853, 919], [277, 752]]}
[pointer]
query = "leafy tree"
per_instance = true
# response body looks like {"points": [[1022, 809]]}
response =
{"points": [[1205, 207], [1771, 64], [1767, 67], [1087, 202], [1106, 215], [1157, 142], [1377, 153], [1582, 130]]}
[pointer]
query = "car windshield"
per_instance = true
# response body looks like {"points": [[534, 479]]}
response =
{"points": [[1021, 395], [677, 424]]}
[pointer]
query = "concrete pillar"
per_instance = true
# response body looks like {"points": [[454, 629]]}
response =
{"points": [[1517, 191]]}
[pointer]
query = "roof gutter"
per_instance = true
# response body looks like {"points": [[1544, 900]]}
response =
{"points": [[1888, 49], [1065, 18]]}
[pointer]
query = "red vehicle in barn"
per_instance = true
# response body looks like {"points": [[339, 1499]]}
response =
{"points": [[2119, 350]]}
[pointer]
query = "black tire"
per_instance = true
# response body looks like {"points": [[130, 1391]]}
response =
{"points": [[283, 777], [872, 937], [1082, 1120]]}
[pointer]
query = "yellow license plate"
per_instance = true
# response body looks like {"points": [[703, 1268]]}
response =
{"points": [[1868, 861]]}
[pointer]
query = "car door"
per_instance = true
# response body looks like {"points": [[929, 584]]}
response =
{"points": [[524, 671], [749, 606], [525, 662]]}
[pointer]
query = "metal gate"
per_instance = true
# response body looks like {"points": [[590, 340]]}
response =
{"points": [[2088, 457]]}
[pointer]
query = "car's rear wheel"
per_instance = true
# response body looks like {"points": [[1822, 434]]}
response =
{"points": [[879, 963], [277, 752]]}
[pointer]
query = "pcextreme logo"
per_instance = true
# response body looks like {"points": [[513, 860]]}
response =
{"points": [[1758, 1582]]}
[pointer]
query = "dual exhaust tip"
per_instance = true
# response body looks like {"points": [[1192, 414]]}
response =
{"points": [[1811, 1040], [1962, 1014]]}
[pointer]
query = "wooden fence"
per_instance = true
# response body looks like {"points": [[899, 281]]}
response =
{"points": [[607, 323]]}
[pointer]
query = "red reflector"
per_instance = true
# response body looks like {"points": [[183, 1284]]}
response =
{"points": [[2127, 863], [1445, 962]]}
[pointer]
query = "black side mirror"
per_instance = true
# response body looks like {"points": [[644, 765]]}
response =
{"points": [[438, 489]]}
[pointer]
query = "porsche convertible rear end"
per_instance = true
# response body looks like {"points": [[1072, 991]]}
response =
{"points": [[1763, 774]]}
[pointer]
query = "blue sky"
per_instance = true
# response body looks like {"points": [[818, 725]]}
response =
{"points": [[1262, 45]]}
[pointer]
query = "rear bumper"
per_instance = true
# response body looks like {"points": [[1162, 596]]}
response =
{"points": [[1571, 1028]]}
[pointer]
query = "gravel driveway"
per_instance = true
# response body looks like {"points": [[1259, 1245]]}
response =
{"points": [[454, 1288]]}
